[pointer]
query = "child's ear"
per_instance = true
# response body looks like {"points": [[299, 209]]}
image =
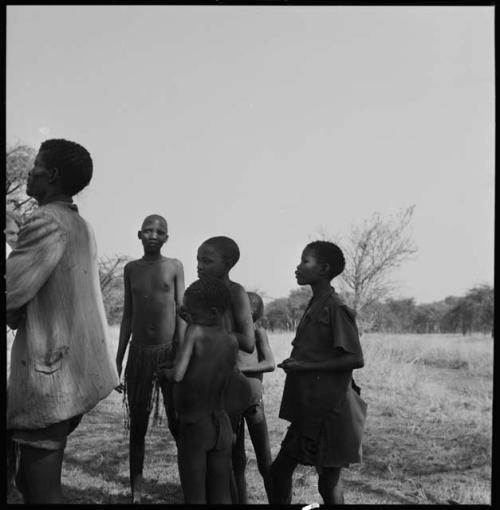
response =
{"points": [[139, 234], [54, 174], [326, 268]]}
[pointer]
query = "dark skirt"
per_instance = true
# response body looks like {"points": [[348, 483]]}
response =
{"points": [[337, 436]]}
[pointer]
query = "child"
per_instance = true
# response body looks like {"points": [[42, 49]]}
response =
{"points": [[154, 286], [60, 363], [253, 366], [216, 257], [202, 370], [326, 413]]}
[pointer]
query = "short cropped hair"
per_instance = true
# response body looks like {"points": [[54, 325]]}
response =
{"points": [[328, 253], [209, 292], [256, 306], [13, 217], [73, 162], [227, 248], [153, 217]]}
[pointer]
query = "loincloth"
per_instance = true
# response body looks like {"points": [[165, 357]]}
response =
{"points": [[142, 384], [205, 431]]}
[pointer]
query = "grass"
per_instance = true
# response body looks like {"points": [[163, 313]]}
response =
{"points": [[427, 436]]}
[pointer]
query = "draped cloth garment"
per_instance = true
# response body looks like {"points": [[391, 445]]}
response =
{"points": [[61, 365]]}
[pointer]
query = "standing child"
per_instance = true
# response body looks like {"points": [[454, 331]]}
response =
{"points": [[326, 413], [202, 370], [154, 286], [216, 257], [253, 367]]}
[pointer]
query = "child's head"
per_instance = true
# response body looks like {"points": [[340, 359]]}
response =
{"points": [[205, 301], [320, 260], [256, 306], [153, 233], [12, 226], [216, 256], [60, 166]]}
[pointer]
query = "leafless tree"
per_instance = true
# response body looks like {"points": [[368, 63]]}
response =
{"points": [[373, 251], [19, 158], [111, 268]]}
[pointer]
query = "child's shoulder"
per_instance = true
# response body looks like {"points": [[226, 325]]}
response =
{"points": [[236, 289], [173, 262]]}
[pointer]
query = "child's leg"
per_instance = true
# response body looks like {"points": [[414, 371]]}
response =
{"points": [[281, 477], [168, 400], [40, 475], [257, 427], [219, 466], [139, 418], [192, 445], [330, 486], [239, 461]]}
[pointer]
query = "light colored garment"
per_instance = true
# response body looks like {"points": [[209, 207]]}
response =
{"points": [[61, 365]]}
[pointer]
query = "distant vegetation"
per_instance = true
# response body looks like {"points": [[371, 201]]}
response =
{"points": [[472, 312]]}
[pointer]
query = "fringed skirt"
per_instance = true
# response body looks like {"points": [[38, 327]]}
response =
{"points": [[142, 383]]}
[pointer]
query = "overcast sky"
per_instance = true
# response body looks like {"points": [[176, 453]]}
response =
{"points": [[269, 124]]}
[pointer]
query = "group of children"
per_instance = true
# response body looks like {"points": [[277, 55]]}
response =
{"points": [[204, 350], [211, 372]]}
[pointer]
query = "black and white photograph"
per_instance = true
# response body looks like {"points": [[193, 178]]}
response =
{"points": [[249, 254]]}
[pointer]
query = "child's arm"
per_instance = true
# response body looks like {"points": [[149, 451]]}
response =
{"points": [[266, 359], [126, 324], [180, 325], [244, 328], [183, 357], [343, 362]]}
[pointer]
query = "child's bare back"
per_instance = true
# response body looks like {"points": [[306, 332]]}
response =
{"points": [[213, 358]]}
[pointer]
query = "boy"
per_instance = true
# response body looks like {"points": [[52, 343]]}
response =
{"points": [[253, 367], [202, 370], [216, 257], [154, 286], [60, 363], [319, 398]]}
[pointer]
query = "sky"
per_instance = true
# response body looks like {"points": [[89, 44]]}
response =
{"points": [[270, 124]]}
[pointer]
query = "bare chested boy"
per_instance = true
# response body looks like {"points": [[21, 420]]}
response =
{"points": [[202, 371], [154, 287], [216, 257]]}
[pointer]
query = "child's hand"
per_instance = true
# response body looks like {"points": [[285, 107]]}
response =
{"points": [[166, 371], [120, 388], [291, 365]]}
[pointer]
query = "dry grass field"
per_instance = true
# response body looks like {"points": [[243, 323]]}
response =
{"points": [[427, 438]]}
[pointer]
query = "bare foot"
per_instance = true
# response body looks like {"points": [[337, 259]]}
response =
{"points": [[137, 490]]}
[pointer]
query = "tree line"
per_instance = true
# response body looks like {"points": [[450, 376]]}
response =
{"points": [[472, 312]]}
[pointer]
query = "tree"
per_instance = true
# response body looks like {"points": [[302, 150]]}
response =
{"points": [[278, 315], [297, 303], [19, 159], [110, 276], [372, 252]]}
